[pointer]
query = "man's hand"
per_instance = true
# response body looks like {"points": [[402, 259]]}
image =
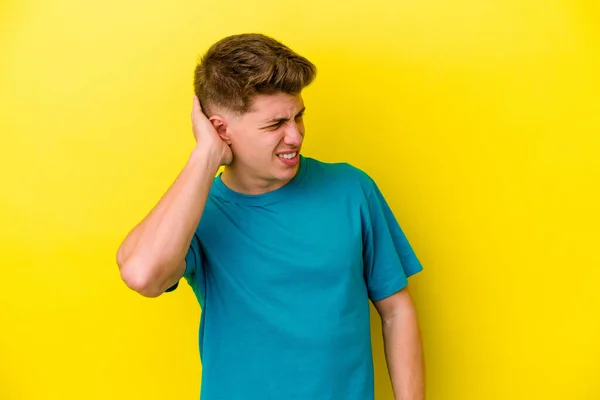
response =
{"points": [[207, 137]]}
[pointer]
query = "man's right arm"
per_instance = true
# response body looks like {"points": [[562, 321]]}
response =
{"points": [[151, 259]]}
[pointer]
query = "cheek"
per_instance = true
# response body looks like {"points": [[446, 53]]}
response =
{"points": [[252, 146], [270, 141], [300, 126]]}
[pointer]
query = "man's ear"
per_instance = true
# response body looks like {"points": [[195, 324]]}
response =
{"points": [[220, 124]]}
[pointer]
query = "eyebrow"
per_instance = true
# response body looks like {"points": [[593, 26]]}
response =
{"points": [[279, 120]]}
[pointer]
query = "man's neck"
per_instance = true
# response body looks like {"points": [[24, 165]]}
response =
{"points": [[240, 183]]}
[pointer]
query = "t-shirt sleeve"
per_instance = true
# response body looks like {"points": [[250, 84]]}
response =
{"points": [[194, 272], [387, 254]]}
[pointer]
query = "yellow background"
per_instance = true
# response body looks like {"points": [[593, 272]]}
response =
{"points": [[479, 120]]}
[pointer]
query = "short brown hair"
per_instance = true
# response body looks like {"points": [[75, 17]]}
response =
{"points": [[239, 67]]}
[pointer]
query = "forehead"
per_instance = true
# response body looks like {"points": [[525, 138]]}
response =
{"points": [[279, 105]]}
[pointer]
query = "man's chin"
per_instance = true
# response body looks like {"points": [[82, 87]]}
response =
{"points": [[287, 173]]}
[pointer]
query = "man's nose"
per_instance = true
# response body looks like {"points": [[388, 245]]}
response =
{"points": [[293, 135]]}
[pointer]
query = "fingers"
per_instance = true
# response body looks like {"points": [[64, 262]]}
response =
{"points": [[197, 112], [195, 107]]}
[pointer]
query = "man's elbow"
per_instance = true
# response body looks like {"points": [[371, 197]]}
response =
{"points": [[140, 280]]}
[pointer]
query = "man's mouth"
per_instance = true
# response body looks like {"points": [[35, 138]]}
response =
{"points": [[287, 156]]}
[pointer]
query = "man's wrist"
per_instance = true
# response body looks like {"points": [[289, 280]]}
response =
{"points": [[206, 157]]}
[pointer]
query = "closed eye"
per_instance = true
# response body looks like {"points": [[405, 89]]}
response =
{"points": [[282, 122], [275, 126]]}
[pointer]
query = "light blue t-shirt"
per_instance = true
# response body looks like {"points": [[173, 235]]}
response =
{"points": [[284, 281]]}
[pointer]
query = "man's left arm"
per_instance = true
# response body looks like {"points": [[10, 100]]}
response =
{"points": [[403, 346]]}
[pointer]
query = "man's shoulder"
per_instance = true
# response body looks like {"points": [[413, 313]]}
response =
{"points": [[341, 172]]}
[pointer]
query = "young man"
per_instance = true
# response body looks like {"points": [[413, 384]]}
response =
{"points": [[282, 251]]}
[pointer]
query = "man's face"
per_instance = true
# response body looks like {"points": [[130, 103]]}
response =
{"points": [[266, 141]]}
